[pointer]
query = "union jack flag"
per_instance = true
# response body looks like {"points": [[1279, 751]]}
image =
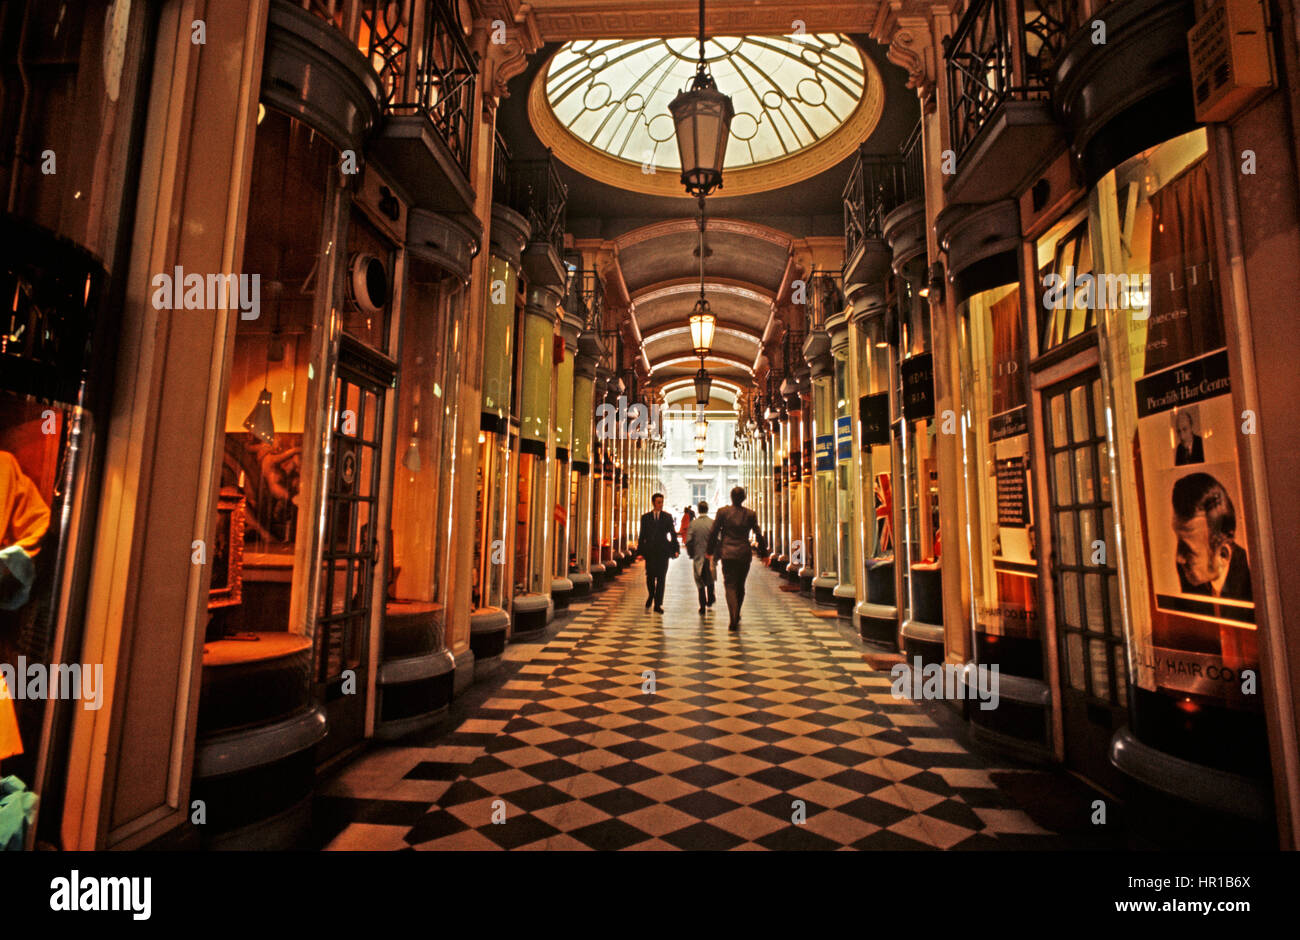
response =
{"points": [[884, 500]]}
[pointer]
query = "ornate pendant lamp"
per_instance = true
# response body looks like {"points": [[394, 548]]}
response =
{"points": [[702, 326], [702, 119]]}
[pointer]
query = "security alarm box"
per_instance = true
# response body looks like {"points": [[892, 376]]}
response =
{"points": [[1230, 56]]}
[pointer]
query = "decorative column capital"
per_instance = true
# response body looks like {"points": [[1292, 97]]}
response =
{"points": [[504, 35], [910, 45]]}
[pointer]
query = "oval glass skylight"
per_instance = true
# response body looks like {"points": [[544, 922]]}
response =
{"points": [[789, 93]]}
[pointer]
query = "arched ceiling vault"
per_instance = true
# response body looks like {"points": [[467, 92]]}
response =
{"points": [[745, 267]]}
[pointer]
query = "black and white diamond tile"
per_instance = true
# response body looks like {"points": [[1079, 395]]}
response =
{"points": [[742, 733]]}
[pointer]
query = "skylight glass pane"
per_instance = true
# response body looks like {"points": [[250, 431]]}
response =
{"points": [[788, 93]]}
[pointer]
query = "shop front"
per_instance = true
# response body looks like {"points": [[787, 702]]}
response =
{"points": [[489, 621]]}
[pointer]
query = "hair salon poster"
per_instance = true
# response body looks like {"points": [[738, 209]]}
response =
{"points": [[1196, 532]]}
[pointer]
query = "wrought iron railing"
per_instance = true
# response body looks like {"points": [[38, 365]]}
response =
{"points": [[826, 297], [538, 194], [435, 76], [878, 184], [500, 170], [1002, 50], [589, 298]]}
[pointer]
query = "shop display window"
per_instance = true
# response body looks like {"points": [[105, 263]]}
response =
{"points": [[874, 407], [1192, 630], [421, 500], [35, 463], [266, 466], [1002, 552], [529, 466], [843, 466], [919, 470]]}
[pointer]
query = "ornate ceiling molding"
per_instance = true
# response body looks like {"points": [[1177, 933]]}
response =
{"points": [[714, 225], [717, 358], [564, 20], [680, 287], [670, 331]]}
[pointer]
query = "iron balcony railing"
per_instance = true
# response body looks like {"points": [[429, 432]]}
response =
{"points": [[1002, 50], [538, 194], [435, 76], [826, 297], [500, 170], [878, 184], [586, 299]]}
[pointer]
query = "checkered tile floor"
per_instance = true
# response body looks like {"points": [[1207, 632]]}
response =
{"points": [[779, 737]]}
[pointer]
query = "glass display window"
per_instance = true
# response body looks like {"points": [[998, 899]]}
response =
{"points": [[266, 466], [529, 465], [874, 354], [36, 463], [1192, 630], [844, 467], [918, 468], [421, 500], [1002, 554]]}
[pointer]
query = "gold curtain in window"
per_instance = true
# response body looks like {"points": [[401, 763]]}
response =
{"points": [[1186, 320]]}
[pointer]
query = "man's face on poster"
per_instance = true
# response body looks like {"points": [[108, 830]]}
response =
{"points": [[1198, 563], [1185, 429]]}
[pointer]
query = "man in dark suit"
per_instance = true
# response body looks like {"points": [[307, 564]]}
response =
{"points": [[1190, 449], [657, 544]]}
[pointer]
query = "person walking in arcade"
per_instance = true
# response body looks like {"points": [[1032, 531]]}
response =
{"points": [[730, 535], [657, 544]]}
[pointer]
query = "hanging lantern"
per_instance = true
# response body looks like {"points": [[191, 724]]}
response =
{"points": [[702, 324], [703, 386], [702, 119]]}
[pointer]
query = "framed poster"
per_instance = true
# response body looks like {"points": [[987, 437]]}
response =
{"points": [[1196, 531]]}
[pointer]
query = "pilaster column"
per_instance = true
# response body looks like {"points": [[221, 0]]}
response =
{"points": [[821, 510], [534, 609]]}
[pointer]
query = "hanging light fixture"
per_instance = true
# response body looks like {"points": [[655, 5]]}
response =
{"points": [[702, 325], [702, 119], [260, 422]]}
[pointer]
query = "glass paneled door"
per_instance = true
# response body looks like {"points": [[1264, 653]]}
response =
{"points": [[348, 553], [1089, 625]]}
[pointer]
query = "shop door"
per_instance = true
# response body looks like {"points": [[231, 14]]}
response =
{"points": [[1090, 640], [348, 554]]}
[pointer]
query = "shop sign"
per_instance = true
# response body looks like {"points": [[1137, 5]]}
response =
{"points": [[825, 452], [873, 419], [1009, 424], [844, 438], [918, 387], [1013, 493], [1198, 673]]}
